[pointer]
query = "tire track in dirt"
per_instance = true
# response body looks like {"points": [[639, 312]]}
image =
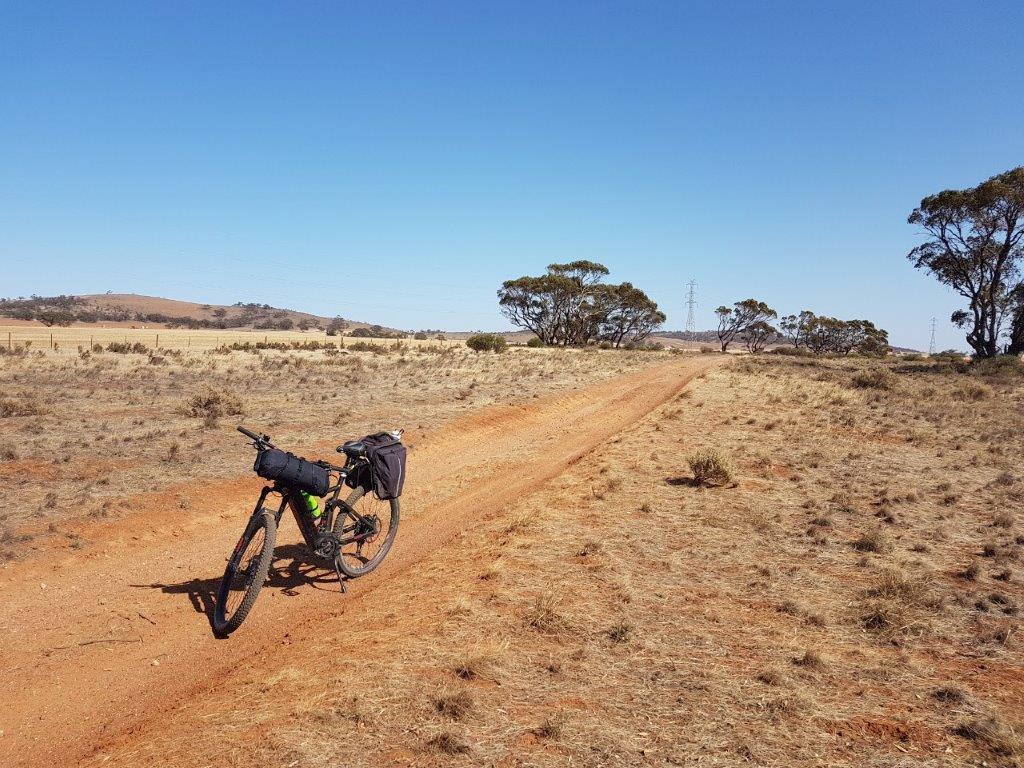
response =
{"points": [[103, 645]]}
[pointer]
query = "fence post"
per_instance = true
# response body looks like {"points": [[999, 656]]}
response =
{"points": [[9, 340], [158, 341], [51, 341]]}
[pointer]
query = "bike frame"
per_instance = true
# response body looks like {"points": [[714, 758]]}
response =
{"points": [[293, 498]]}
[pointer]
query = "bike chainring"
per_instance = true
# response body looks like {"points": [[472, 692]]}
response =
{"points": [[327, 545]]}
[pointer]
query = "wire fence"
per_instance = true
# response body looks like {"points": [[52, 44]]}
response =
{"points": [[71, 339]]}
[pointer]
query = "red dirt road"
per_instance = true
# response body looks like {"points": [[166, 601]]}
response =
{"points": [[101, 643]]}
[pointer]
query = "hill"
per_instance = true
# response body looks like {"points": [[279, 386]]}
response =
{"points": [[157, 312]]}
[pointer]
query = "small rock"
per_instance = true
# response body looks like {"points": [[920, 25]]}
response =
{"points": [[155, 663]]}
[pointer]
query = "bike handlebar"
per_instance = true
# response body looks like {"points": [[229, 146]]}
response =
{"points": [[260, 441], [249, 434]]}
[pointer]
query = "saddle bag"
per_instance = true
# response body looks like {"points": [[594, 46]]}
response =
{"points": [[386, 475], [290, 470]]}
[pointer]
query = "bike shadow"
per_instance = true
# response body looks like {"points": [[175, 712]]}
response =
{"points": [[293, 567]]}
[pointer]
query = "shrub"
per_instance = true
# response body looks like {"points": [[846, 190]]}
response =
{"points": [[124, 348], [710, 467], [367, 346], [487, 342], [791, 351], [873, 378], [535, 342], [872, 541], [455, 705], [449, 744], [25, 405], [1004, 365], [994, 734], [972, 391], [420, 336], [213, 404]]}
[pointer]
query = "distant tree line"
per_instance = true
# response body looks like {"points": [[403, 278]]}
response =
{"points": [[570, 305], [750, 322], [975, 245]]}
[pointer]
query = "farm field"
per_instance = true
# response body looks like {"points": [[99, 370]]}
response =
{"points": [[71, 340]]}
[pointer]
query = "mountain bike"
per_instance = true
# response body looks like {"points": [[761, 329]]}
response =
{"points": [[353, 534]]}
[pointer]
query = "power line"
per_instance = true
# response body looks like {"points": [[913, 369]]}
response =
{"points": [[691, 304], [931, 344]]}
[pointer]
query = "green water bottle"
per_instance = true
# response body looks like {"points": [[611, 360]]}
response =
{"points": [[312, 504]]}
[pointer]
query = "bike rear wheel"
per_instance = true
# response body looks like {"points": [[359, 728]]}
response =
{"points": [[245, 573], [367, 528]]}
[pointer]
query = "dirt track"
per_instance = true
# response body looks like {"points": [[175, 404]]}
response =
{"points": [[104, 643]]}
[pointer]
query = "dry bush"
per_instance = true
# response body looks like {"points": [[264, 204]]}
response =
{"points": [[214, 404], [620, 632], [972, 391], [996, 735], [551, 727], [8, 452], [971, 572], [453, 704], [22, 405], [448, 743], [710, 467], [873, 378], [810, 659], [543, 616], [480, 662], [949, 694], [894, 584], [872, 541]]}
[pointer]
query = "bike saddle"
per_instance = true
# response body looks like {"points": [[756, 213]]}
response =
{"points": [[353, 448]]}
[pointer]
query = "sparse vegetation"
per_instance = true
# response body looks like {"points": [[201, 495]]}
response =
{"points": [[710, 467]]}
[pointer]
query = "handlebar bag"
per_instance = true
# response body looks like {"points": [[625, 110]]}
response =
{"points": [[387, 464], [290, 470]]}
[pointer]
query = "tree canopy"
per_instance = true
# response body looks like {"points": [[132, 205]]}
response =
{"points": [[975, 246], [569, 305], [745, 320]]}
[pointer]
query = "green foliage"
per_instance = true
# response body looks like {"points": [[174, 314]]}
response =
{"points": [[535, 342], [487, 342], [746, 320], [376, 332], [976, 246], [570, 306], [821, 334]]}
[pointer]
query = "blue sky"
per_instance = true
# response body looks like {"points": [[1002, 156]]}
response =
{"points": [[394, 162]]}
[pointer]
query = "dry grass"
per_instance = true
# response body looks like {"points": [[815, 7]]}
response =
{"points": [[696, 633], [113, 430]]}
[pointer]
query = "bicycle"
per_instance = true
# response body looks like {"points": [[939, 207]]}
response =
{"points": [[350, 533]]}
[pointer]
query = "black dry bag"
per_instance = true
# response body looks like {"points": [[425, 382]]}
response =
{"points": [[290, 470]]}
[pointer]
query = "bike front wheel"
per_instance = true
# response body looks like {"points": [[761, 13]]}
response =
{"points": [[366, 527], [245, 574]]}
